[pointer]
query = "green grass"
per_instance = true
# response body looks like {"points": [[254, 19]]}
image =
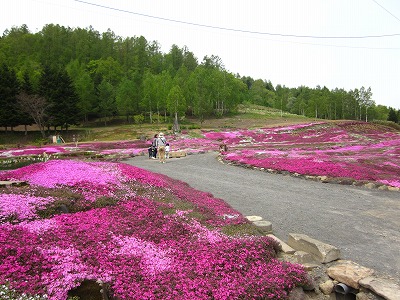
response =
{"points": [[247, 116]]}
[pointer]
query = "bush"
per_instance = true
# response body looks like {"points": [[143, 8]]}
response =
{"points": [[138, 119], [57, 207], [105, 201]]}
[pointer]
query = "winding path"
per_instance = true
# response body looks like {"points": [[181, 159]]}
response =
{"points": [[364, 224]]}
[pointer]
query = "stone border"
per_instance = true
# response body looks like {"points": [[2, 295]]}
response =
{"points": [[321, 178], [13, 183], [329, 275]]}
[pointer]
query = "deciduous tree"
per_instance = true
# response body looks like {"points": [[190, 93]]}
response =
{"points": [[176, 105], [36, 107]]}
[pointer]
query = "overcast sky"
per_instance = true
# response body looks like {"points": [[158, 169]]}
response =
{"points": [[333, 43]]}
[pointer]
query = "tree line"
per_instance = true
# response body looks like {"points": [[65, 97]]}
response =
{"points": [[62, 76]]}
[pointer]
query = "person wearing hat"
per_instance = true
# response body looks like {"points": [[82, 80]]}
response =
{"points": [[161, 142]]}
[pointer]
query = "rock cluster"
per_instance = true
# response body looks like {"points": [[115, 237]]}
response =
{"points": [[323, 179], [332, 277]]}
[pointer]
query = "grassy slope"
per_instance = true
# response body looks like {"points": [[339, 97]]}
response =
{"points": [[246, 117]]}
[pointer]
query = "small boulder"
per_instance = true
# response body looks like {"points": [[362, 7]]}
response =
{"points": [[254, 218], [327, 287], [322, 252], [349, 273]]}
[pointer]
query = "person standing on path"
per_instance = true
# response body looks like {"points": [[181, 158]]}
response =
{"points": [[153, 148], [161, 142], [167, 149]]}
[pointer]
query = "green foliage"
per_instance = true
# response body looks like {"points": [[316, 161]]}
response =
{"points": [[191, 126], [10, 114], [176, 102], [105, 201], [393, 116], [125, 97], [242, 230], [56, 208], [84, 74], [84, 87], [106, 98], [67, 201], [56, 87], [9, 164], [138, 119]]}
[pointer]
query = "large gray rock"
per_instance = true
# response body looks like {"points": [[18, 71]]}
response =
{"points": [[322, 252], [382, 287], [303, 257], [285, 247]]}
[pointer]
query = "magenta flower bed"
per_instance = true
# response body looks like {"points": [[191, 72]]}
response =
{"points": [[32, 151], [353, 150], [144, 247]]}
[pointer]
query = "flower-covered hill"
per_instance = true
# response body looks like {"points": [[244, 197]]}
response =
{"points": [[142, 235], [353, 150]]}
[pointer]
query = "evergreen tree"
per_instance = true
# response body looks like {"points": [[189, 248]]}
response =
{"points": [[10, 114], [26, 86], [56, 86], [174, 60], [393, 116]]}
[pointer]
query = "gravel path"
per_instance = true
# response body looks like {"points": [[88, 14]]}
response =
{"points": [[364, 224]]}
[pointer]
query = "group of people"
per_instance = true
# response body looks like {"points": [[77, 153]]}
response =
{"points": [[159, 148]]}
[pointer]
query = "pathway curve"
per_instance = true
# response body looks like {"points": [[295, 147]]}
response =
{"points": [[364, 224]]}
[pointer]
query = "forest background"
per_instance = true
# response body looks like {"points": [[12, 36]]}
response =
{"points": [[63, 76]]}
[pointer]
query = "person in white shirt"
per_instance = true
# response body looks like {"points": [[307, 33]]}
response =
{"points": [[161, 142], [167, 150]]}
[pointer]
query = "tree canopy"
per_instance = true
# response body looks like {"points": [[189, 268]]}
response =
{"points": [[84, 74]]}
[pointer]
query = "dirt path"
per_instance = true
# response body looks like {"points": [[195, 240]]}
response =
{"points": [[364, 224]]}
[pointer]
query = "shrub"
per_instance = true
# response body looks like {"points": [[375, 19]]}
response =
{"points": [[138, 119]]}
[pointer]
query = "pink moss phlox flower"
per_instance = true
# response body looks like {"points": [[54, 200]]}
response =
{"points": [[154, 259], [131, 173], [65, 172], [354, 150], [203, 233], [39, 226], [395, 183], [92, 179], [23, 207], [139, 251], [32, 151], [143, 253], [67, 268]]}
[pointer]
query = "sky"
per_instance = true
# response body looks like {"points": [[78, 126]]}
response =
{"points": [[333, 43]]}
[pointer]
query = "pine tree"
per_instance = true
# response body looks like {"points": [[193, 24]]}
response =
{"points": [[393, 116], [9, 113], [56, 86]]}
